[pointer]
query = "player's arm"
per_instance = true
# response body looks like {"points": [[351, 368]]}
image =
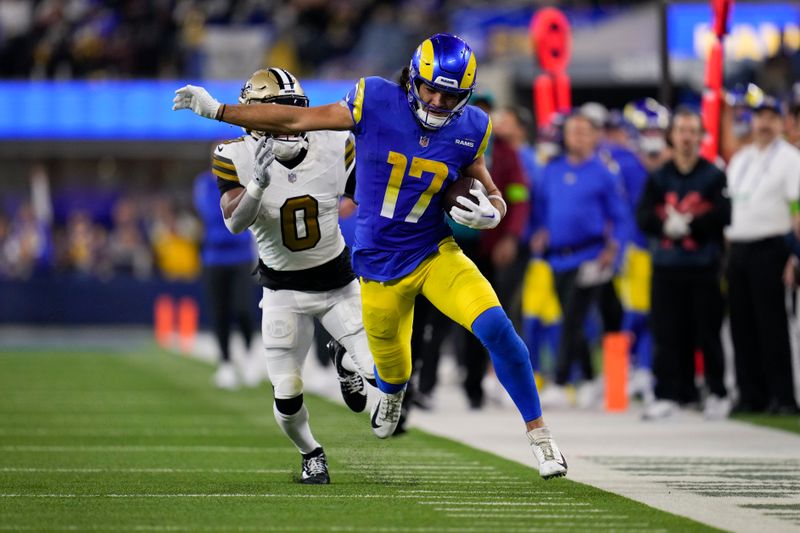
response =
{"points": [[286, 119], [241, 205], [273, 118]]}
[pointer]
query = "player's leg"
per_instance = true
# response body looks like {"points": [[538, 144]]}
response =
{"points": [[252, 366], [388, 312], [455, 286], [349, 348], [343, 320], [635, 296], [287, 336], [215, 283]]}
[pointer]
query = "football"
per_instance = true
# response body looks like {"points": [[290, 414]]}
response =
{"points": [[460, 187]]}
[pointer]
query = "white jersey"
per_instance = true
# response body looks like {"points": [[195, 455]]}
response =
{"points": [[297, 226]]}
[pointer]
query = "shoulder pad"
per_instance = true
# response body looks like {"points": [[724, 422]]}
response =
{"points": [[222, 165]]}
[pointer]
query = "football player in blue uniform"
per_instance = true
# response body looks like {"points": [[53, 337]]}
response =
{"points": [[412, 140]]}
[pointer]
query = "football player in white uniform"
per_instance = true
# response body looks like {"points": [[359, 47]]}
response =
{"points": [[286, 190]]}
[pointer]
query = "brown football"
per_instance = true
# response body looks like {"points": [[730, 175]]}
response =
{"points": [[460, 187]]}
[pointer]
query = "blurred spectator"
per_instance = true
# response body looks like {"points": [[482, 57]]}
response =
{"points": [[228, 260], [735, 128], [578, 201], [5, 260], [764, 186], [684, 210], [618, 130], [174, 238], [793, 117], [85, 246], [29, 246], [636, 271], [540, 312], [128, 251]]}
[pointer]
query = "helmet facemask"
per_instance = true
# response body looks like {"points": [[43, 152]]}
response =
{"points": [[430, 116]]}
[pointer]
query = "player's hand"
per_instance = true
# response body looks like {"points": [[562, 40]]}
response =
{"points": [[676, 225], [264, 158], [197, 99], [482, 215]]}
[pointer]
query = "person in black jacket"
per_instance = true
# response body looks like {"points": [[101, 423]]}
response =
{"points": [[683, 210]]}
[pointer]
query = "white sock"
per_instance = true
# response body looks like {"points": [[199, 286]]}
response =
{"points": [[297, 429]]}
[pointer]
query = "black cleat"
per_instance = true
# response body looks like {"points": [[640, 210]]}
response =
{"points": [[351, 383], [315, 468]]}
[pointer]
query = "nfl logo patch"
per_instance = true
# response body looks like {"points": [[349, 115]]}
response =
{"points": [[423, 141], [292, 177]]}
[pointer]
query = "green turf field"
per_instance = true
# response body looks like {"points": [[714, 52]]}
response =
{"points": [[784, 422], [140, 441]]}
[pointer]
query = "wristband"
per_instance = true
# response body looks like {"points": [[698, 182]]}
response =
{"points": [[505, 207], [794, 207], [221, 112], [254, 190]]}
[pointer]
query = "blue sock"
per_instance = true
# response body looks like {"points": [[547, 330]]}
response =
{"points": [[511, 361], [641, 351], [388, 388]]}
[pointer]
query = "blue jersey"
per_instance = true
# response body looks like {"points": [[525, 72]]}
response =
{"points": [[633, 175], [575, 205], [402, 170]]}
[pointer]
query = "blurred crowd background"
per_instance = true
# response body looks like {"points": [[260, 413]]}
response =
{"points": [[104, 209]]}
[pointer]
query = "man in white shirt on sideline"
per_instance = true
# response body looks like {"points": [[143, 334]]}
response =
{"points": [[764, 186]]}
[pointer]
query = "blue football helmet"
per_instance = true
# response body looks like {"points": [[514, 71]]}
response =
{"points": [[646, 114], [445, 63], [651, 120]]}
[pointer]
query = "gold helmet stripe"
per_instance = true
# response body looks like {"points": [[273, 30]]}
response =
{"points": [[426, 60], [469, 74]]}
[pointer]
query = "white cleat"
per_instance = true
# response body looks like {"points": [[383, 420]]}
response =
{"points": [[659, 410], [590, 394], [717, 408], [554, 397], [551, 460], [225, 377], [386, 413]]}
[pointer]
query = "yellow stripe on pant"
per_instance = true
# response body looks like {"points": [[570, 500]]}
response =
{"points": [[452, 283], [539, 298], [633, 284]]}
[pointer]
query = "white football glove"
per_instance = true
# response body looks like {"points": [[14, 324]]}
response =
{"points": [[264, 158], [676, 225], [197, 99], [482, 215]]}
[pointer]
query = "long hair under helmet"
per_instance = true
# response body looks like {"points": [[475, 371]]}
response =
{"points": [[445, 63]]}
